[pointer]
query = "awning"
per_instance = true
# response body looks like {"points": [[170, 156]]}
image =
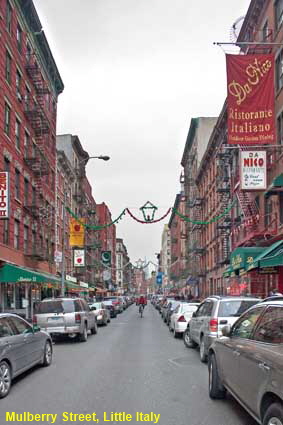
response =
{"points": [[14, 274], [274, 258], [228, 272], [276, 186], [242, 257], [269, 251]]}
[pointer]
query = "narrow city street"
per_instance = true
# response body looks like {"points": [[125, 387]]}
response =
{"points": [[132, 365]]}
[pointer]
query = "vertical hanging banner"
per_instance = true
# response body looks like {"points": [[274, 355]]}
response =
{"points": [[76, 232], [250, 99], [253, 170], [79, 257], [4, 194]]}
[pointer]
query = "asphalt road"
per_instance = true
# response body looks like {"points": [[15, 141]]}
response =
{"points": [[132, 365]]}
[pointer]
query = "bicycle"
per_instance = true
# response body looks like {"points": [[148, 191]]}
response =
{"points": [[141, 307]]}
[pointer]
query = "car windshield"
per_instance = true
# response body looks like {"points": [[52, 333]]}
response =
{"points": [[235, 308], [55, 306], [96, 305], [189, 308]]}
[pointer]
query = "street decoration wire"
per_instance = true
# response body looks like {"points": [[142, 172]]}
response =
{"points": [[126, 210]]}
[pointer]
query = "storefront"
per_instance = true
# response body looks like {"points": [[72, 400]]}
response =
{"points": [[21, 288]]}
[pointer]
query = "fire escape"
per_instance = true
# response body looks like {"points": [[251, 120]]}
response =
{"points": [[223, 188], [249, 226], [37, 160]]}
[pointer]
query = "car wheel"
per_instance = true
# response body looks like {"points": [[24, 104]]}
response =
{"points": [[5, 379], [274, 415], [94, 329], [216, 389], [83, 336], [188, 340], [109, 320], [47, 356], [202, 353]]}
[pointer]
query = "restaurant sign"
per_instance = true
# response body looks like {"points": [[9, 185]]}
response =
{"points": [[4, 195], [253, 170], [250, 99]]}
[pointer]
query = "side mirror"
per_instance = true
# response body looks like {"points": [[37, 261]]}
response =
{"points": [[36, 328], [226, 330], [194, 314]]}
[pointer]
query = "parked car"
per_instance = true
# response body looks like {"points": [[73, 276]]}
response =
{"points": [[109, 305], [22, 346], [181, 316], [248, 362], [164, 306], [169, 310], [213, 313], [66, 316], [116, 302], [101, 312]]}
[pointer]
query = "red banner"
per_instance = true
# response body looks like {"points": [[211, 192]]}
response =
{"points": [[250, 97]]}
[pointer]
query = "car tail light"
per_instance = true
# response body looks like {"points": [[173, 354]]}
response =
{"points": [[213, 325], [34, 319], [78, 318], [181, 319]]}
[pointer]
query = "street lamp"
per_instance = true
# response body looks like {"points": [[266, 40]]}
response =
{"points": [[104, 158]]}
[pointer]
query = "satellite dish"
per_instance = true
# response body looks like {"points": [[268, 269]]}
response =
{"points": [[236, 28]]}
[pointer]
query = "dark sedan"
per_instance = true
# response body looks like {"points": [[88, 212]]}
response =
{"points": [[22, 346]]}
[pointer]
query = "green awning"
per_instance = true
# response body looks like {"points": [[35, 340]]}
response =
{"points": [[276, 186], [274, 257], [14, 274], [228, 271], [242, 257], [71, 285], [265, 253]]}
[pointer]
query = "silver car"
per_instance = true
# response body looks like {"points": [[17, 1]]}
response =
{"points": [[207, 322], [22, 346], [66, 316], [101, 312], [248, 362]]}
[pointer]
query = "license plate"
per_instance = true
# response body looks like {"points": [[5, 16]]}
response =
{"points": [[54, 318]]}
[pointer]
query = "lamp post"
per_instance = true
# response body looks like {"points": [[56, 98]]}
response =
{"points": [[63, 265]]}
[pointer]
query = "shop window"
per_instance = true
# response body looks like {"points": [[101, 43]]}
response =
{"points": [[8, 17], [7, 119], [17, 234]]}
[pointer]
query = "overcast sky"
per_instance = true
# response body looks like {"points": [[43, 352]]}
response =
{"points": [[135, 73]]}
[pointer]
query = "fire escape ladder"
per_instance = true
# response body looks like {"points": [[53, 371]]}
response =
{"points": [[248, 205]]}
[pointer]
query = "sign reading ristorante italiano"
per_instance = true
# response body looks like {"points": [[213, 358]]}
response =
{"points": [[250, 99]]}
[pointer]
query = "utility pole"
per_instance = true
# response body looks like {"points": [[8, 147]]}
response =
{"points": [[63, 247]]}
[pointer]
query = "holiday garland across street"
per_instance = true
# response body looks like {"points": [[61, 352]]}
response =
{"points": [[150, 219]]}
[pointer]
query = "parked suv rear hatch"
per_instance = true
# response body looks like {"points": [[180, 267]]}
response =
{"points": [[55, 313], [230, 310]]}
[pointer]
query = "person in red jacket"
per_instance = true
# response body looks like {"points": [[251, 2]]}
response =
{"points": [[142, 301]]}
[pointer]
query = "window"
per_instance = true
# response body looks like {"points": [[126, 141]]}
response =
{"points": [[17, 234], [6, 232], [265, 32], [20, 325], [26, 238], [5, 328], [278, 13], [33, 195], [33, 241], [243, 327], [279, 70], [18, 85], [8, 67], [18, 134], [6, 164], [26, 191], [7, 123], [19, 36], [28, 52], [280, 129], [8, 17], [270, 329], [26, 144], [267, 211], [17, 184]]}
